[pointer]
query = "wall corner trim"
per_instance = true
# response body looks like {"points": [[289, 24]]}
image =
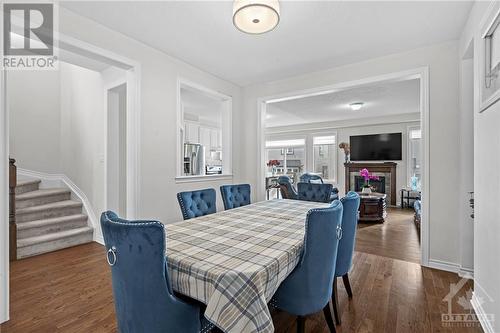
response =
{"points": [[444, 265], [75, 190], [481, 315]]}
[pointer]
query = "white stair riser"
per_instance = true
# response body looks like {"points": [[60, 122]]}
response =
{"points": [[35, 249], [42, 200], [51, 228], [20, 189], [48, 213]]}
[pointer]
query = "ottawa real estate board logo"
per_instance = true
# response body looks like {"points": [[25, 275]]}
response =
{"points": [[28, 36]]}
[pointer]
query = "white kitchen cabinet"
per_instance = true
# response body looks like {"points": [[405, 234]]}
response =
{"points": [[205, 138], [192, 132]]}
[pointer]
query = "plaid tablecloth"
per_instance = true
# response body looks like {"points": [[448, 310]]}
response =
{"points": [[234, 261]]}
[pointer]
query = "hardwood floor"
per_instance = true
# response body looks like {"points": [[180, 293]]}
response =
{"points": [[396, 238], [70, 291]]}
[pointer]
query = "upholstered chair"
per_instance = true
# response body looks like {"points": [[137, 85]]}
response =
{"points": [[308, 288], [197, 203], [286, 188], [144, 300], [346, 247], [235, 196], [312, 178], [314, 192]]}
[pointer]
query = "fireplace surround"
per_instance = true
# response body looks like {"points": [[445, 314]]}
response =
{"points": [[386, 170]]}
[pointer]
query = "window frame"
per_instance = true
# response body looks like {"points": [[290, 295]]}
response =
{"points": [[409, 168], [335, 152]]}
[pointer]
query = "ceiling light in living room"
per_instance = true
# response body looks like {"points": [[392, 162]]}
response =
{"points": [[256, 16], [356, 106]]}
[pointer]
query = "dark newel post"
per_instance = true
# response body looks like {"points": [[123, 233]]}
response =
{"points": [[12, 210]]}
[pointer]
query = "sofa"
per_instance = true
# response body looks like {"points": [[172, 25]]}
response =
{"points": [[418, 213]]}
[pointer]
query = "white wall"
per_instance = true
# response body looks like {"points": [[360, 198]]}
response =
{"points": [[442, 62], [34, 105], [345, 129], [158, 87], [82, 131], [486, 181]]}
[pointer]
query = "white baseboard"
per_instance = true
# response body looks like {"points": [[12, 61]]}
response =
{"points": [[481, 315], [51, 180], [444, 265]]}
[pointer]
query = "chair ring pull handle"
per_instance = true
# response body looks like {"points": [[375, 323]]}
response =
{"points": [[339, 232], [111, 259]]}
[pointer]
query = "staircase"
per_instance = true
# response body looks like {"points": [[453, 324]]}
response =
{"points": [[47, 219]]}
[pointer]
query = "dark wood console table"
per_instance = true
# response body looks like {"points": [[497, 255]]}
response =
{"points": [[372, 207]]}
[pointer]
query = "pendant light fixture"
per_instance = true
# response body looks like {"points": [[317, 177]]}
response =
{"points": [[256, 16]]}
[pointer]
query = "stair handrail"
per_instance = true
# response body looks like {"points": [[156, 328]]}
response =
{"points": [[12, 210]]}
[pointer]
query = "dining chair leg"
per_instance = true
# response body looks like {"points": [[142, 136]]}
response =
{"points": [[328, 318], [301, 324], [335, 302], [347, 285]]}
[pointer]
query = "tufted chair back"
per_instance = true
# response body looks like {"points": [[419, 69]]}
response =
{"points": [[235, 196], [314, 192], [349, 226], [286, 188], [144, 300], [197, 203], [311, 178], [309, 287]]}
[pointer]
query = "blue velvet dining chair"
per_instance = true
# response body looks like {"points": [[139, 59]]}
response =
{"points": [[197, 203], [311, 178], [286, 188], [144, 300], [235, 196], [346, 247], [314, 192], [308, 288]]}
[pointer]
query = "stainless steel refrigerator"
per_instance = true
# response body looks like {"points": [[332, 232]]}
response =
{"points": [[194, 159]]}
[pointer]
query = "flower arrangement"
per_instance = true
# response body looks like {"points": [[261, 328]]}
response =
{"points": [[272, 163], [347, 150], [367, 176]]}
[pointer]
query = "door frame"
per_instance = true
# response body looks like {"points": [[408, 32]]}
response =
{"points": [[421, 73], [133, 69]]}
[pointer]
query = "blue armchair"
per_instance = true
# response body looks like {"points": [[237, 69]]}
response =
{"points": [[144, 300], [286, 188], [346, 247], [197, 203], [308, 288], [313, 178], [235, 196], [314, 192]]}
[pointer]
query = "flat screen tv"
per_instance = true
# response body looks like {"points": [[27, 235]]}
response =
{"points": [[376, 147]]}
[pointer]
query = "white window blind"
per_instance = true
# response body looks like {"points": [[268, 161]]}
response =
{"points": [[285, 143], [416, 134], [324, 140]]}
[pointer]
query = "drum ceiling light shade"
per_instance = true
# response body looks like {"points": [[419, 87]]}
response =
{"points": [[256, 17]]}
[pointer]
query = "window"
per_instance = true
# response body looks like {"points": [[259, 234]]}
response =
{"points": [[414, 158], [204, 136], [324, 157], [290, 155]]}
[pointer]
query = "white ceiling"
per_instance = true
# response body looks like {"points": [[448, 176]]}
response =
{"points": [[311, 36], [384, 99]]}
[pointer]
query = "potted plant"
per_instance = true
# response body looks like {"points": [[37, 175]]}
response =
{"points": [[273, 164], [367, 176]]}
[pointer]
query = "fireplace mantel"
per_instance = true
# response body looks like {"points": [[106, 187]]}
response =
{"points": [[386, 167]]}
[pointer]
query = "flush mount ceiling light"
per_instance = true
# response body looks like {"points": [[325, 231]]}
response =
{"points": [[256, 16], [356, 106]]}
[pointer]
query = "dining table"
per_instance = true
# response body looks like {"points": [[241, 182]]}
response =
{"points": [[234, 260]]}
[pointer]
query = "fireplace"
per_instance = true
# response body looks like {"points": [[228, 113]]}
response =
{"points": [[377, 185], [385, 171]]}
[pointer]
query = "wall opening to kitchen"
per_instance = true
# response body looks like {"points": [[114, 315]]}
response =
{"points": [[204, 136]]}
